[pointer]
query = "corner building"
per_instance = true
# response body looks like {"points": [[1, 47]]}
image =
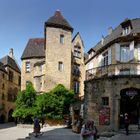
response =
{"points": [[10, 82], [112, 85], [54, 59]]}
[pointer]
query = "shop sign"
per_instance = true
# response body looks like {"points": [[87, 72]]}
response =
{"points": [[131, 93], [104, 116]]}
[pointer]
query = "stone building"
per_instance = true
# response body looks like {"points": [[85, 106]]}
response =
{"points": [[9, 86], [112, 85], [55, 59]]}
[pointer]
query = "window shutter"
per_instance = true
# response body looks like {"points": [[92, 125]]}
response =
{"points": [[117, 48], [100, 60], [109, 56], [138, 52], [131, 50]]}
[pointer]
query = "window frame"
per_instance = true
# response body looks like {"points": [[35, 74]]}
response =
{"points": [[27, 66], [105, 101], [61, 39], [76, 87], [60, 66]]}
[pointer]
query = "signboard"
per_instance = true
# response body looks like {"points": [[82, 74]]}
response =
{"points": [[104, 116], [131, 93]]}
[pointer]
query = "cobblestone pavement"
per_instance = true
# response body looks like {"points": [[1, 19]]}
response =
{"points": [[11, 132]]}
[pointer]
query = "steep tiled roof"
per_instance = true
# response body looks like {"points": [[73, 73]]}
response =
{"points": [[2, 67], [8, 61], [117, 32], [58, 21], [34, 49]]}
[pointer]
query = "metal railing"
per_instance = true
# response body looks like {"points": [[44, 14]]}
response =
{"points": [[113, 70]]}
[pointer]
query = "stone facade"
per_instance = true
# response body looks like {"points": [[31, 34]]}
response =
{"points": [[54, 56], [112, 86], [9, 87]]}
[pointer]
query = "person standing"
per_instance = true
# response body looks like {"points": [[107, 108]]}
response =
{"points": [[94, 130], [86, 132], [126, 122], [36, 126]]}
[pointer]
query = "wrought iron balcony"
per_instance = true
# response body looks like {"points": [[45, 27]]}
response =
{"points": [[114, 70]]}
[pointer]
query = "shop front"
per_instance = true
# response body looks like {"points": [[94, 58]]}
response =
{"points": [[130, 104]]}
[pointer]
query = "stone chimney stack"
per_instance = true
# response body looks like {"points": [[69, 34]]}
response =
{"points": [[11, 53], [110, 30]]}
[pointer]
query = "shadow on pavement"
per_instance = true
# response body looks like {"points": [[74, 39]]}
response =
{"points": [[7, 125], [55, 134]]}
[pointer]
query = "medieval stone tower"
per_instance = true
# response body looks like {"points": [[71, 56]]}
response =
{"points": [[58, 47]]}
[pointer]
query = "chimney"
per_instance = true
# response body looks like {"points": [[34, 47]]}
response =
{"points": [[11, 53], [110, 30], [102, 40]]}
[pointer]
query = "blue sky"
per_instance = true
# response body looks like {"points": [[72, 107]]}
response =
{"points": [[24, 19]]}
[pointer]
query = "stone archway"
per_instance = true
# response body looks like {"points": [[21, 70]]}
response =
{"points": [[130, 103], [2, 118], [10, 118]]}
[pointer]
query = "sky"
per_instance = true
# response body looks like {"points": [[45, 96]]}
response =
{"points": [[21, 20]]}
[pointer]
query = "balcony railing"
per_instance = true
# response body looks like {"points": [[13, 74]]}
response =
{"points": [[113, 70]]}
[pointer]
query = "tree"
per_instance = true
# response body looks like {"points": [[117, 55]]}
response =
{"points": [[25, 104], [55, 103]]}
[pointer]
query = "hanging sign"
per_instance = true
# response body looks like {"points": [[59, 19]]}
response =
{"points": [[131, 93]]}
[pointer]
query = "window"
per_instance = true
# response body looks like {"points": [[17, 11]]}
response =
{"points": [[126, 30], [62, 39], [77, 51], [76, 70], [27, 66], [124, 53], [105, 100], [11, 75], [105, 59], [60, 66], [76, 87], [38, 83]]}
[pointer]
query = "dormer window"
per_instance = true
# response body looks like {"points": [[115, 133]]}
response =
{"points": [[91, 54], [127, 26], [126, 30]]}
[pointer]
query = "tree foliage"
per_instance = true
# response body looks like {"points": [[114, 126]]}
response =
{"points": [[52, 105], [25, 103]]}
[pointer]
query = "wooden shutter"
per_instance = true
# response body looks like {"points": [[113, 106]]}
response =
{"points": [[117, 49], [131, 50], [100, 60], [109, 56]]}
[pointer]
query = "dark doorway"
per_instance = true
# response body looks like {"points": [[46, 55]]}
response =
{"points": [[2, 118], [130, 104], [10, 118]]}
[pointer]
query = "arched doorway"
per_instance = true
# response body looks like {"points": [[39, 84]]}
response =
{"points": [[10, 118], [130, 103], [2, 118]]}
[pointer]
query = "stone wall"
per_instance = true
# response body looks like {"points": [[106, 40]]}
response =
{"points": [[107, 87], [55, 53]]}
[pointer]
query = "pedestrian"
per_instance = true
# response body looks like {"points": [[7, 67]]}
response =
{"points": [[36, 126], [86, 133], [126, 122], [94, 130]]}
